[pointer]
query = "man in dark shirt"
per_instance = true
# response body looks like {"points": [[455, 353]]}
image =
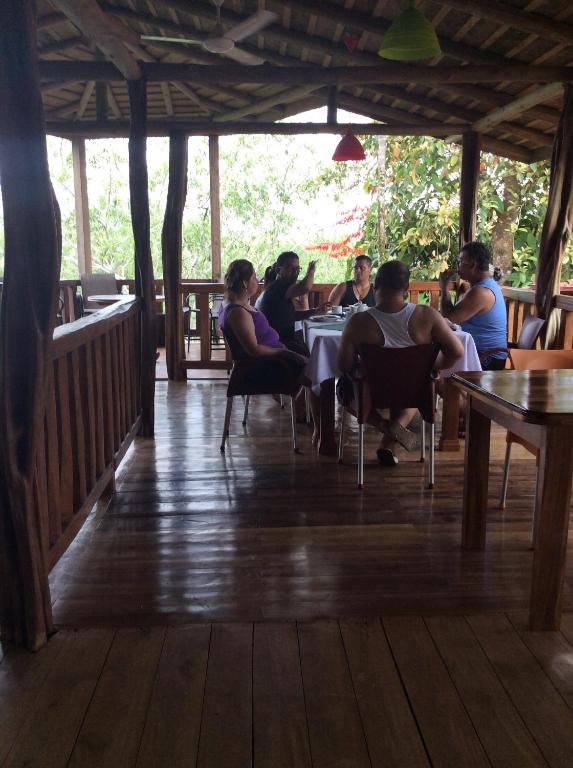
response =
{"points": [[277, 302]]}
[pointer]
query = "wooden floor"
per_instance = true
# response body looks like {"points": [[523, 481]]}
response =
{"points": [[447, 692], [264, 534], [257, 610]]}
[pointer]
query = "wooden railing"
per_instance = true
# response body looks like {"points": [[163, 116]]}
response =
{"points": [[92, 414], [520, 302]]}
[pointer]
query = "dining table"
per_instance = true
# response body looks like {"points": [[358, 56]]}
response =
{"points": [[537, 406], [322, 335]]}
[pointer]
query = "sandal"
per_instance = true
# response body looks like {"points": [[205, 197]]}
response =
{"points": [[386, 457], [400, 434]]}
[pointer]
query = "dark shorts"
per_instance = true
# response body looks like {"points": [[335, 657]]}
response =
{"points": [[493, 364]]}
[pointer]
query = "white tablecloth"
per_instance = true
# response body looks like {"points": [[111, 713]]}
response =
{"points": [[323, 344]]}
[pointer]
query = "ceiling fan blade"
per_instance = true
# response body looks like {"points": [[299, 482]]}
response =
{"points": [[244, 57], [251, 26], [161, 39]]}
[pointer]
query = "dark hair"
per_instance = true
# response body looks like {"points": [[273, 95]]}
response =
{"points": [[392, 276], [284, 257], [238, 272], [478, 253], [270, 275], [363, 257]]}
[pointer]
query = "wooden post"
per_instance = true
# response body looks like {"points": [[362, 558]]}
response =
{"points": [[331, 106], [214, 197], [469, 183], [144, 285], [557, 223], [27, 318], [82, 206], [171, 247]]}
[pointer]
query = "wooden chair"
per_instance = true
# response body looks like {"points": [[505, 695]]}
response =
{"points": [[530, 330], [394, 378], [531, 360], [271, 375], [94, 284]]}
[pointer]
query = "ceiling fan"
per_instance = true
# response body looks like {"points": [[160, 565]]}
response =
{"points": [[223, 41]]}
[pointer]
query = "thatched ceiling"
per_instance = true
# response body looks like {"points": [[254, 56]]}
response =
{"points": [[316, 35]]}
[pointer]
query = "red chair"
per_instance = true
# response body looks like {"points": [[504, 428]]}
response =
{"points": [[272, 375], [394, 378]]}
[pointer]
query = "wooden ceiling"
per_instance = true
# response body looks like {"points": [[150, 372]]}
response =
{"points": [[307, 58]]}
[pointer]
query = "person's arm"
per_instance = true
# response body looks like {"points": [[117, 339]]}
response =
{"points": [[305, 285], [336, 294], [475, 301], [241, 322], [451, 347], [348, 351], [303, 314], [446, 300]]}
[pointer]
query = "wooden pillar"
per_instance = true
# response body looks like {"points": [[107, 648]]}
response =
{"points": [[558, 220], [171, 249], [332, 105], [27, 318], [82, 206], [144, 285], [469, 183], [214, 196]]}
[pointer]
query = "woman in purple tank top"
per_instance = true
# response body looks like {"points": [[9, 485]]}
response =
{"points": [[248, 332]]}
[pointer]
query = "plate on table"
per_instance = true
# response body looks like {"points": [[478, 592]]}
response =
{"points": [[326, 318]]}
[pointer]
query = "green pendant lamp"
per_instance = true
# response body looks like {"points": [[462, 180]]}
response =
{"points": [[410, 37]]}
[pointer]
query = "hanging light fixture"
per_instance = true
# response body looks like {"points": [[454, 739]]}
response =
{"points": [[348, 148], [410, 37]]}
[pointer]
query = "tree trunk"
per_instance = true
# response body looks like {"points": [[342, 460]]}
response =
{"points": [[502, 234], [144, 285], [381, 187], [27, 319]]}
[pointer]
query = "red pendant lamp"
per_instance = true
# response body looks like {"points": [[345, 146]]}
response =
{"points": [[349, 148]]}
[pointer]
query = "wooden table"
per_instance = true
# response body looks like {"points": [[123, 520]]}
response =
{"points": [[536, 405], [111, 298]]}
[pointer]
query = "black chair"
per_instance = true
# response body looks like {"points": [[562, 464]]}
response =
{"points": [[258, 376], [398, 378]]}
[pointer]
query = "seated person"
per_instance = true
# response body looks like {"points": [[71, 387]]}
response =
{"points": [[277, 303], [357, 289], [247, 329], [269, 277], [393, 323], [481, 310]]}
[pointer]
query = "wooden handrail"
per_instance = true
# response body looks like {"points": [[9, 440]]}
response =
{"points": [[93, 411]]}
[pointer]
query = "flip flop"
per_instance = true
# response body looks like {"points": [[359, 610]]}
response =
{"points": [[400, 434], [386, 457]]}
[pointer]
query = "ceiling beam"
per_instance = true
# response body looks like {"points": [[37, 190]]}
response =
{"points": [[263, 105], [108, 34], [517, 107], [515, 18], [384, 74], [195, 128], [499, 99]]}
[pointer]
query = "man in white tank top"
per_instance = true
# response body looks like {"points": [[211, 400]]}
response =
{"points": [[394, 323]]}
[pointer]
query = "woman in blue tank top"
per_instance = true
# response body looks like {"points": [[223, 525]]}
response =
{"points": [[481, 311]]}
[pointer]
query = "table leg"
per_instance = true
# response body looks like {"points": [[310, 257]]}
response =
{"points": [[552, 506], [475, 479], [327, 443], [449, 440]]}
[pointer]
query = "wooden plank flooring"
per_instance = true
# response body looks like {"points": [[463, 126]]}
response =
{"points": [[399, 692], [264, 534], [257, 610]]}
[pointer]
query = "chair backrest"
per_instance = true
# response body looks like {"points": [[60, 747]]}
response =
{"points": [[400, 377], [530, 330], [541, 359], [97, 283]]}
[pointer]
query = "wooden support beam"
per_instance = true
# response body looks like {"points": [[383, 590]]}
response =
{"points": [[469, 183], [499, 99], [62, 45], [515, 18], [195, 128], [107, 33], [144, 285], [82, 206], [284, 97], [331, 105], [215, 207], [171, 252], [226, 74], [27, 317], [518, 106]]}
